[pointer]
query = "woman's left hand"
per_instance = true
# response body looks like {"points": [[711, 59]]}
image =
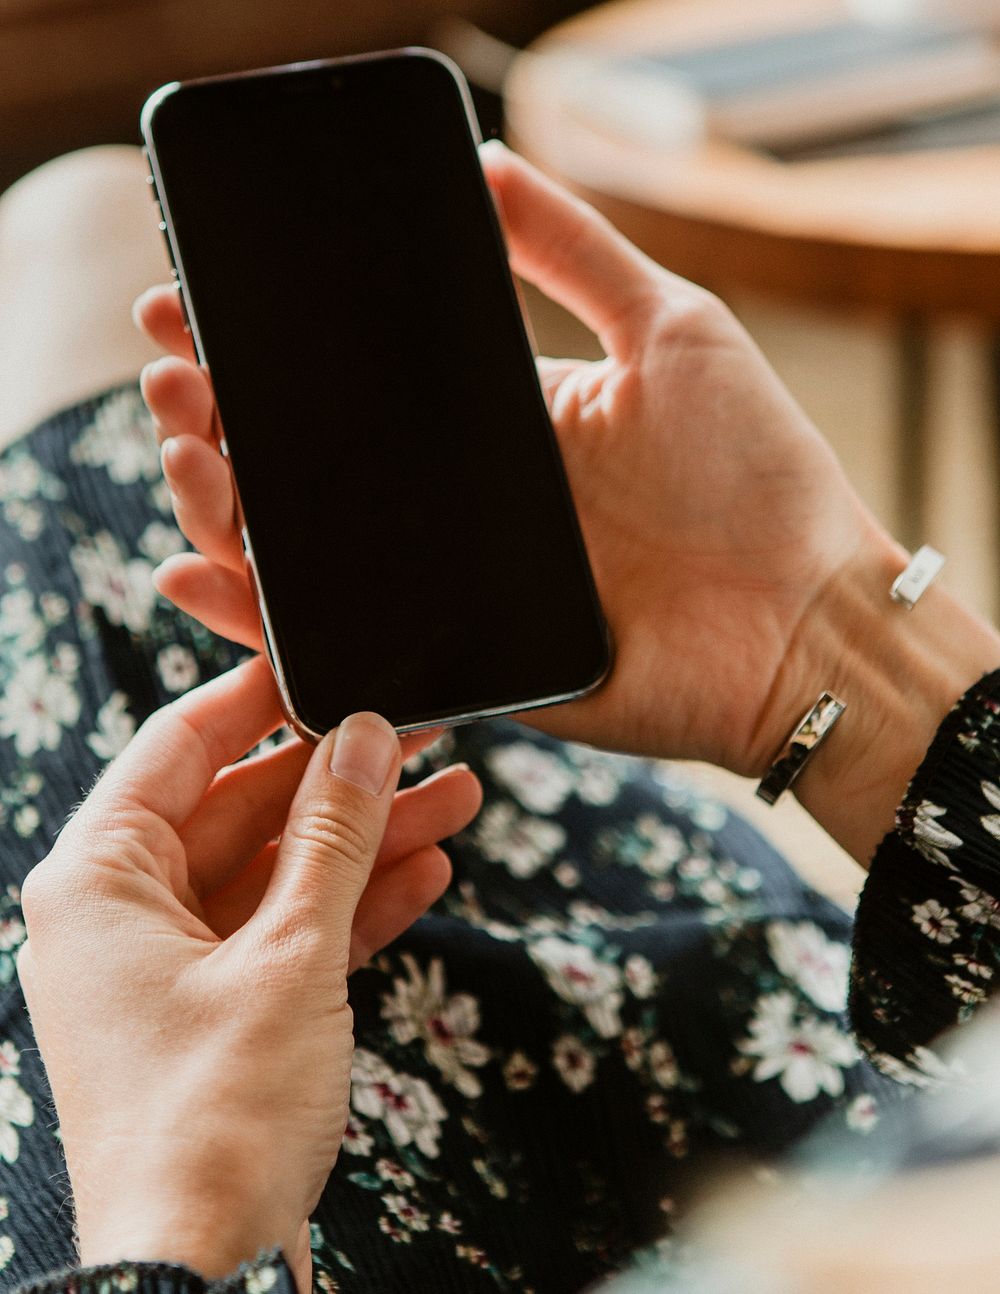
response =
{"points": [[186, 972]]}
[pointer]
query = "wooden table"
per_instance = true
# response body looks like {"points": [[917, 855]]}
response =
{"points": [[76, 72], [915, 236]]}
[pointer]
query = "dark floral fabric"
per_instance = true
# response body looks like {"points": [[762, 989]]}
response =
{"points": [[623, 984], [269, 1274], [928, 927]]}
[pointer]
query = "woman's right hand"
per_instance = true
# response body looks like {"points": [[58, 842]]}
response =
{"points": [[736, 565], [189, 941]]}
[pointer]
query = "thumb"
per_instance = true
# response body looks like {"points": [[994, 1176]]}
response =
{"points": [[570, 252], [334, 829]]}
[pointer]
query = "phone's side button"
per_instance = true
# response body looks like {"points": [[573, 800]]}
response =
{"points": [[251, 575], [180, 297]]}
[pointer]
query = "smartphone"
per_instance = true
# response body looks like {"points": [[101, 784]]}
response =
{"points": [[406, 516]]}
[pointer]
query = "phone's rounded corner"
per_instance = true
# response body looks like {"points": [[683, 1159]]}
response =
{"points": [[437, 56], [153, 104], [604, 666], [293, 720], [301, 729], [458, 77]]}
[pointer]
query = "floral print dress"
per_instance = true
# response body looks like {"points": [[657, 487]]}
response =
{"points": [[623, 983]]}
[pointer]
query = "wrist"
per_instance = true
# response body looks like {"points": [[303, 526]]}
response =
{"points": [[208, 1216], [899, 673], [186, 1240]]}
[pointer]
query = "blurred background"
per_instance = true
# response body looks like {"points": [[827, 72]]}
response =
{"points": [[831, 168]]}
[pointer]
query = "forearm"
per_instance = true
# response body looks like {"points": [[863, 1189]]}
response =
{"points": [[899, 671]]}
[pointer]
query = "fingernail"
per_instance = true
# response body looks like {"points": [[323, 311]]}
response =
{"points": [[364, 750], [138, 303], [445, 772]]}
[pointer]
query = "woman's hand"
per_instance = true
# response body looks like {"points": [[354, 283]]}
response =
{"points": [[739, 572], [186, 972], [713, 512]]}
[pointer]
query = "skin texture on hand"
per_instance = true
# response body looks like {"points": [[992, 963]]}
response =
{"points": [[189, 942], [726, 542]]}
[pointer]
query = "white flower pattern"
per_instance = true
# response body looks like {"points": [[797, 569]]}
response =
{"points": [[115, 727], [16, 1111], [935, 921], [407, 1106], [177, 668], [540, 780], [574, 1062], [37, 706], [818, 965], [805, 1054], [420, 1008], [932, 839], [121, 586], [121, 440], [581, 978], [524, 844]]}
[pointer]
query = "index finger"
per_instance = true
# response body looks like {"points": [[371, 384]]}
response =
{"points": [[174, 757], [170, 763]]}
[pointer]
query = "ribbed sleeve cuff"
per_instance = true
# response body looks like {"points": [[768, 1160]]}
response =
{"points": [[927, 933], [268, 1274]]}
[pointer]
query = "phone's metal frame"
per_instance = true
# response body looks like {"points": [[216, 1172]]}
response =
{"points": [[167, 229]]}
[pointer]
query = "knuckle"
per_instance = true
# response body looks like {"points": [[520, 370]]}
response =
{"points": [[162, 721], [694, 316], [22, 962], [78, 878], [291, 948], [280, 947], [573, 241], [183, 736], [37, 896], [343, 838]]}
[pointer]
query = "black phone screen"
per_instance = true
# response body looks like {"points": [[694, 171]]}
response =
{"points": [[414, 538]]}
